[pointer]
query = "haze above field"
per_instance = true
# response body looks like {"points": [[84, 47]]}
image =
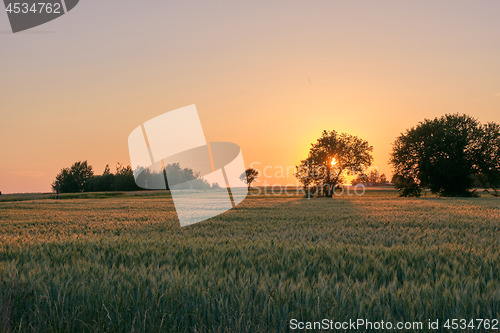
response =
{"points": [[268, 76]]}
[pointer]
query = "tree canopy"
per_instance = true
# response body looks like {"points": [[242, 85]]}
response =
{"points": [[81, 178], [446, 155], [330, 158], [249, 176], [73, 179], [372, 178]]}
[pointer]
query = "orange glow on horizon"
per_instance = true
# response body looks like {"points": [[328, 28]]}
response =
{"points": [[271, 88]]}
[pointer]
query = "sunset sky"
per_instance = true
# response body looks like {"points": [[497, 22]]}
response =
{"points": [[267, 75]]}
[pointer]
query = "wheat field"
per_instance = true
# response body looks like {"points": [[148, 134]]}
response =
{"points": [[123, 264]]}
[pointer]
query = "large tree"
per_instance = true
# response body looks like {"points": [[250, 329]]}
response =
{"points": [[446, 155], [74, 178], [331, 157], [249, 176]]}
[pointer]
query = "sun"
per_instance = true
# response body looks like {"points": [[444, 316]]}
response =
{"points": [[334, 161]]}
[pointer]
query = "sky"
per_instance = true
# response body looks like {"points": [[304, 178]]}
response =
{"points": [[267, 75]]}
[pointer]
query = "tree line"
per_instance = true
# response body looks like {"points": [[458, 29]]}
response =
{"points": [[371, 178], [448, 155], [80, 177]]}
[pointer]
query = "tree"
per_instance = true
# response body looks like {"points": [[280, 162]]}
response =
{"points": [[305, 174], [489, 157], [104, 182], [407, 187], [73, 179], [373, 178], [124, 179], [382, 180], [445, 155], [360, 179], [107, 171], [330, 158], [249, 176]]}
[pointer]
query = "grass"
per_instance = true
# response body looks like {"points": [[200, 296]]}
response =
{"points": [[86, 195], [122, 264]]}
